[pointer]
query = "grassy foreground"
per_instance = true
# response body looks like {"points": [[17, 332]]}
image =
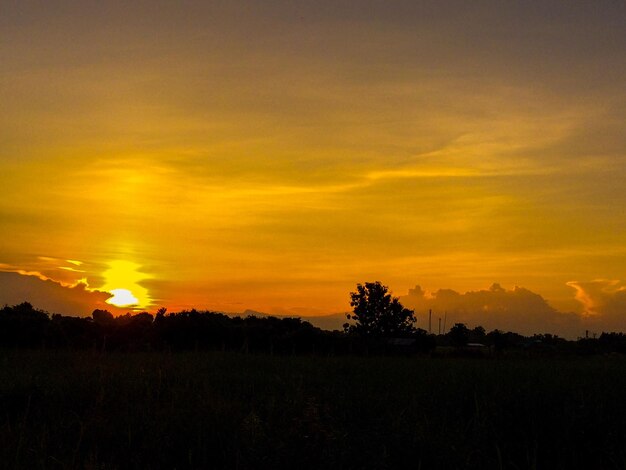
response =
{"points": [[226, 410]]}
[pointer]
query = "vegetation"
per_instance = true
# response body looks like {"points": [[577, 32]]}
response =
{"points": [[229, 410], [23, 326], [377, 313], [181, 390]]}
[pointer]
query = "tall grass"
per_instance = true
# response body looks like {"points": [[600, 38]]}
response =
{"points": [[225, 410]]}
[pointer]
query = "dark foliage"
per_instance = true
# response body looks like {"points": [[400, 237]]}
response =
{"points": [[377, 314], [459, 335], [86, 410], [95, 407], [23, 326], [501, 341]]}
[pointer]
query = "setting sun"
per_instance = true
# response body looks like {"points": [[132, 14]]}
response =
{"points": [[122, 298], [123, 282]]}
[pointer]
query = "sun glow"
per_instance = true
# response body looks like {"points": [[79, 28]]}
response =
{"points": [[122, 298], [123, 282]]}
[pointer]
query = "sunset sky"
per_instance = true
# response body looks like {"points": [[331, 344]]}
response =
{"points": [[269, 155]]}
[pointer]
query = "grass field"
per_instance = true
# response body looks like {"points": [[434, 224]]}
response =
{"points": [[225, 410]]}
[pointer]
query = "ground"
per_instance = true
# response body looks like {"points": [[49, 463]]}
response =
{"points": [[227, 410]]}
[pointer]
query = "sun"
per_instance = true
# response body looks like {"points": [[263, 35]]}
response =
{"points": [[122, 298], [123, 283]]}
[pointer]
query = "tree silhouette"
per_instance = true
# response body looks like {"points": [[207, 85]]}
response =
{"points": [[377, 313], [459, 334], [23, 325], [103, 317], [477, 335]]}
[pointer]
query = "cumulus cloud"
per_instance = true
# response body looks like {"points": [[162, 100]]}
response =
{"points": [[604, 303], [518, 309], [50, 295]]}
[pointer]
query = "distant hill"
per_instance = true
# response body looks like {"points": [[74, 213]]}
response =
{"points": [[332, 321]]}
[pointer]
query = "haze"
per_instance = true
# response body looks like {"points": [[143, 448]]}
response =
{"points": [[270, 155]]}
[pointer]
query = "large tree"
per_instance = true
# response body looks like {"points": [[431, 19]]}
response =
{"points": [[377, 313]]}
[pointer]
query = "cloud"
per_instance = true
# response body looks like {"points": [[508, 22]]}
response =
{"points": [[518, 309], [604, 303], [50, 295]]}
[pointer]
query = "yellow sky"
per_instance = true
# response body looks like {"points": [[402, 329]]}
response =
{"points": [[270, 155]]}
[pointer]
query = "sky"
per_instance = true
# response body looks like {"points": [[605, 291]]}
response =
{"points": [[269, 155]]}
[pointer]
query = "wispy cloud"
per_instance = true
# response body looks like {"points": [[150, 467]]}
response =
{"points": [[601, 297], [305, 146]]}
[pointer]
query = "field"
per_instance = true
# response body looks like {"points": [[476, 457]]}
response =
{"points": [[227, 410]]}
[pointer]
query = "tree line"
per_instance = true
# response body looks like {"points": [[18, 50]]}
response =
{"points": [[378, 324]]}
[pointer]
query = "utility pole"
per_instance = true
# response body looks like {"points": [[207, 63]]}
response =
{"points": [[430, 317], [439, 326], [445, 317]]}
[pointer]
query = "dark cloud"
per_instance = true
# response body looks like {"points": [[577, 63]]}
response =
{"points": [[517, 310], [51, 296]]}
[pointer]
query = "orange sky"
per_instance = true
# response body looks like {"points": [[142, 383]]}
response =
{"points": [[270, 155]]}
